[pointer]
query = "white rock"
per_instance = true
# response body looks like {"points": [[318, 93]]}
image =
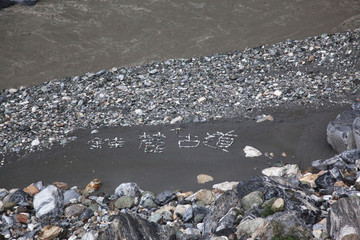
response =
{"points": [[202, 99], [278, 93], [251, 152], [204, 178], [138, 112], [176, 120], [130, 189], [286, 171], [49, 202], [35, 142], [13, 90], [264, 118], [273, 171], [34, 109], [225, 186]]}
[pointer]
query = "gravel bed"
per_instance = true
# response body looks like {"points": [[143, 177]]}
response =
{"points": [[315, 71]]}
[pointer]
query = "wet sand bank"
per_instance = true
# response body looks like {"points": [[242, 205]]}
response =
{"points": [[300, 133]]}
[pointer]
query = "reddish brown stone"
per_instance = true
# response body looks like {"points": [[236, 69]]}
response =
{"points": [[22, 218], [31, 190], [61, 185], [93, 186]]}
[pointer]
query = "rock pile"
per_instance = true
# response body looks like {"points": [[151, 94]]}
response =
{"points": [[283, 204]]}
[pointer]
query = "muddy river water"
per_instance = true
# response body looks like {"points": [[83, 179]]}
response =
{"points": [[55, 39]]}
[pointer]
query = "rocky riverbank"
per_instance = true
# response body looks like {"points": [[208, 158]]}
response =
{"points": [[314, 71], [321, 203]]}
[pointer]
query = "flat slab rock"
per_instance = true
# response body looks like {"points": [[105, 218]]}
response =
{"points": [[344, 132]]}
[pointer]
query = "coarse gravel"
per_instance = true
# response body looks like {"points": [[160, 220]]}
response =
{"points": [[316, 71]]}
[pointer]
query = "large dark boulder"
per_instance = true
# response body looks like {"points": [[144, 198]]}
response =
{"points": [[131, 226], [342, 132], [222, 205]]}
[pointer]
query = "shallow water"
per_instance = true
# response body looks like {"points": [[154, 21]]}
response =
{"points": [[300, 134], [54, 39]]}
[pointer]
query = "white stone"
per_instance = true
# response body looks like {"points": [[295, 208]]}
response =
{"points": [[225, 186], [273, 171], [176, 120], [278, 93], [35, 142], [251, 152], [49, 201], [13, 90], [202, 99], [285, 171], [138, 112], [204, 178]]}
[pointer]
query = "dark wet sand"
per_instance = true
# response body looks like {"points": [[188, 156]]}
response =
{"points": [[55, 39], [300, 133]]}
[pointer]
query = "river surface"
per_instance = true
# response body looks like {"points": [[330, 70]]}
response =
{"points": [[55, 39]]}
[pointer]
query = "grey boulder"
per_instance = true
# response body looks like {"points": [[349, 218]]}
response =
{"points": [[49, 202]]}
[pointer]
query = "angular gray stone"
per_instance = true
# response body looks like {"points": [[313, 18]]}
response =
{"points": [[147, 201], [288, 225], [165, 197], [128, 189], [344, 217], [228, 220], [74, 210], [88, 213], [156, 218], [200, 213], [340, 132], [131, 226], [188, 215], [7, 222], [339, 161], [340, 136], [18, 196], [49, 202], [124, 202], [70, 194], [252, 199], [222, 205]]}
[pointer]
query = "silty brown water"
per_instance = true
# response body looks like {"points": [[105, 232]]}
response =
{"points": [[55, 39]]}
